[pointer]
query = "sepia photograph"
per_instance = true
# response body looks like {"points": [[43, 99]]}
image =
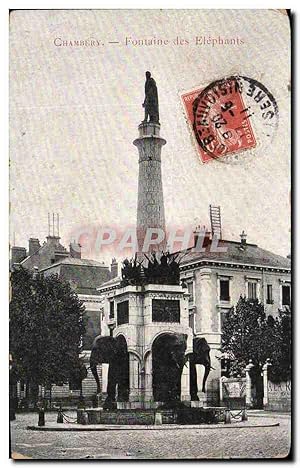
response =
{"points": [[150, 287]]}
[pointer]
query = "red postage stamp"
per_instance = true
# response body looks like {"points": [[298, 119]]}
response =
{"points": [[219, 119]]}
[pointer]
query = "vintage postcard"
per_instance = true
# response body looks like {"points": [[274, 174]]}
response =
{"points": [[150, 234]]}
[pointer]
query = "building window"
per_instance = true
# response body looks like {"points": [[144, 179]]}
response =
{"points": [[252, 290], [190, 286], [111, 309], [286, 295], [270, 294], [122, 312], [224, 290]]}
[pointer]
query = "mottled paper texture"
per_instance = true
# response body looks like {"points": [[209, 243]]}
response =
{"points": [[220, 160], [74, 111]]}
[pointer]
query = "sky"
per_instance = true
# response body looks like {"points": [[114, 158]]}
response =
{"points": [[74, 113]]}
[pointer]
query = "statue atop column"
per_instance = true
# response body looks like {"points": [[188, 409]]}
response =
{"points": [[151, 100]]}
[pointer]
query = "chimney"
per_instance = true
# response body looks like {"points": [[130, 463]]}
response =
{"points": [[114, 268], [75, 250], [202, 236], [53, 240], [34, 245], [18, 254], [243, 237]]}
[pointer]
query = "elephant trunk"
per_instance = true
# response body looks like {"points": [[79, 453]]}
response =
{"points": [[206, 374]]}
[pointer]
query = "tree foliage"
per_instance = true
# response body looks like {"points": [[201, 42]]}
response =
{"points": [[281, 357], [248, 334], [47, 322]]}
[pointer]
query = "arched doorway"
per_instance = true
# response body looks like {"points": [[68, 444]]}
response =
{"points": [[168, 351]]}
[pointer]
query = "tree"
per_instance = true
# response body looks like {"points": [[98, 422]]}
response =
{"points": [[280, 370], [248, 334], [47, 322], [242, 335]]}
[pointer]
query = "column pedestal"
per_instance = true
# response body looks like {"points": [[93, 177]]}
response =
{"points": [[203, 401], [265, 383], [249, 399]]}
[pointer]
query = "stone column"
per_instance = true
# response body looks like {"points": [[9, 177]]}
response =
{"points": [[148, 392], [150, 209], [249, 399], [208, 326], [265, 382], [134, 378], [222, 379], [185, 382], [204, 296]]}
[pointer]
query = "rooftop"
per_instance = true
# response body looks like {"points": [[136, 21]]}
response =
{"points": [[112, 283], [84, 275], [245, 254], [76, 262]]}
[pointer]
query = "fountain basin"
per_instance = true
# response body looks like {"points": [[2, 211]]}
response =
{"points": [[152, 416]]}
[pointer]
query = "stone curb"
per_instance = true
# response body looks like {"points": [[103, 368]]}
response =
{"points": [[164, 427], [275, 415]]}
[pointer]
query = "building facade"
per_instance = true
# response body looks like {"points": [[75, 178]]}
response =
{"points": [[216, 280], [84, 276]]}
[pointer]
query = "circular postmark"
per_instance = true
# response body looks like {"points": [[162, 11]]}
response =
{"points": [[233, 115]]}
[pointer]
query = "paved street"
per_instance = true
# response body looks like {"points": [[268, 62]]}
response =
{"points": [[231, 442]]}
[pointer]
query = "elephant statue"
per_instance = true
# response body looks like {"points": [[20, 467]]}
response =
{"points": [[168, 359], [113, 351], [200, 355]]}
